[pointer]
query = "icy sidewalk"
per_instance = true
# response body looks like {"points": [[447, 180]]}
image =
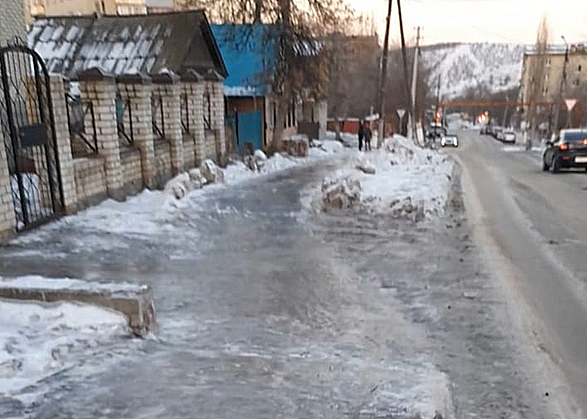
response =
{"points": [[399, 178]]}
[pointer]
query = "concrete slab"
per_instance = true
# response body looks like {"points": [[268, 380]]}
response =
{"points": [[134, 301]]}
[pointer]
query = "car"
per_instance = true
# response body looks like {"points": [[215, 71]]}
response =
{"points": [[483, 130], [508, 137], [449, 139], [489, 129], [497, 132], [567, 150]]}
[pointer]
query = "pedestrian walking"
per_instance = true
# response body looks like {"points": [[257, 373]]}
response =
{"points": [[361, 134], [368, 135]]}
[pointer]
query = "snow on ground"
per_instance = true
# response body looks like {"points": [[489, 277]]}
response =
{"points": [[39, 340], [405, 176], [32, 282]]}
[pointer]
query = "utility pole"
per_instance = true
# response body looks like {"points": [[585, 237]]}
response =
{"points": [[409, 94], [562, 87], [415, 76], [383, 78], [505, 113]]}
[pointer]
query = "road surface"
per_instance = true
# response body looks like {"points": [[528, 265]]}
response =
{"points": [[532, 226]]}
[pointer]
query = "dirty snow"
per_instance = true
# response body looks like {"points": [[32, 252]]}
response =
{"points": [[402, 172], [39, 340]]}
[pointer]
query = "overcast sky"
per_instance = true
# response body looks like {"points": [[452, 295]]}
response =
{"points": [[513, 21]]}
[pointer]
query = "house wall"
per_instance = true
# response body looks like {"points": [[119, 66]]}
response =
{"points": [[77, 7], [12, 21]]}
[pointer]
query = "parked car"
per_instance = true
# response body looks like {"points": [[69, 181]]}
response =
{"points": [[509, 137], [489, 129], [449, 139], [497, 133], [568, 149], [483, 130]]}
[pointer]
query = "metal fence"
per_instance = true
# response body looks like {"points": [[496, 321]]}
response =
{"points": [[184, 111], [124, 120], [80, 115], [158, 117]]}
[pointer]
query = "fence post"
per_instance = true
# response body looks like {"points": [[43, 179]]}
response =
{"points": [[99, 88], [216, 85], [170, 91], [63, 143], [138, 88], [194, 88]]}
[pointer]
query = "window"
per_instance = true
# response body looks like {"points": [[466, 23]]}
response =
{"points": [[576, 82], [579, 68], [548, 62], [545, 91], [207, 110]]}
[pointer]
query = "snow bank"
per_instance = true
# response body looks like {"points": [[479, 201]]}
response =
{"points": [[32, 282], [38, 340], [407, 180]]}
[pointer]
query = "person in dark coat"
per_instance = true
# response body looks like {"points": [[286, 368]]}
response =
{"points": [[361, 135], [368, 136]]}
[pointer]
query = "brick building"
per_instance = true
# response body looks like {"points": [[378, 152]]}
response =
{"points": [[12, 21], [135, 101]]}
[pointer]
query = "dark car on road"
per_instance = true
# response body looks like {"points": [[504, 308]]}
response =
{"points": [[569, 149]]}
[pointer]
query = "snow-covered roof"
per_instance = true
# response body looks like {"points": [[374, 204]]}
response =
{"points": [[127, 44], [558, 49]]}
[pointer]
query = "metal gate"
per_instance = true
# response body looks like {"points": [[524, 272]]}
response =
{"points": [[249, 131], [28, 129]]}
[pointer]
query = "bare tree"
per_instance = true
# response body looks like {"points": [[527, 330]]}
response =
{"points": [[536, 76], [297, 30]]}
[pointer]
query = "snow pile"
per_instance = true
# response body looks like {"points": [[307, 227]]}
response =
{"points": [[400, 179], [340, 193], [38, 340]]}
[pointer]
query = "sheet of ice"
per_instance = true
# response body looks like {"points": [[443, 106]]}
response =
{"points": [[38, 340]]}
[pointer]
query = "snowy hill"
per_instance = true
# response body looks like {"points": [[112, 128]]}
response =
{"points": [[478, 69]]}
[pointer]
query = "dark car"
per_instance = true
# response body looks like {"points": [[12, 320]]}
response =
{"points": [[569, 149]]}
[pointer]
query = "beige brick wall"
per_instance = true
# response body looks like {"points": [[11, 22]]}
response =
{"points": [[163, 162], [12, 21], [130, 158], [189, 156], [90, 180]]}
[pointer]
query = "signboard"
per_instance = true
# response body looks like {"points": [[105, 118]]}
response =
{"points": [[570, 103]]}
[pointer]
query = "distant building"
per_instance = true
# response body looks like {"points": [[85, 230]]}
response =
{"points": [[553, 61], [85, 7], [12, 21]]}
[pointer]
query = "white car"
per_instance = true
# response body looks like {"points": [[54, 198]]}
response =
{"points": [[509, 137], [449, 139]]}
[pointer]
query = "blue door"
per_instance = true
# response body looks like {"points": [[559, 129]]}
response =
{"points": [[250, 131]]}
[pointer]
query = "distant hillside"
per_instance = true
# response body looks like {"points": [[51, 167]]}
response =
{"points": [[476, 70]]}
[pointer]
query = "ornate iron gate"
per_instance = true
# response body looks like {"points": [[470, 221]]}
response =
{"points": [[28, 129]]}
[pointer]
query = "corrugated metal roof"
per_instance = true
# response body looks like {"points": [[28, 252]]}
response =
{"points": [[127, 44], [249, 54]]}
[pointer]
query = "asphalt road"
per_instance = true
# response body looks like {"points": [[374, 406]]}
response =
{"points": [[532, 226]]}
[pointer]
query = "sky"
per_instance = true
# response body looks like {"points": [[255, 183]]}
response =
{"points": [[512, 21]]}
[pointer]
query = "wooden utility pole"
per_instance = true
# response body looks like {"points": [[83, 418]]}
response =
{"points": [[405, 59], [383, 78]]}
